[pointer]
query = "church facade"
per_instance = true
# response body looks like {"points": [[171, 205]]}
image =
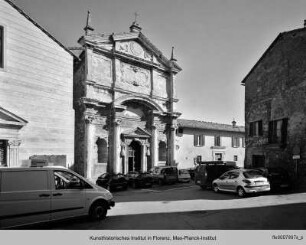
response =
{"points": [[124, 99]]}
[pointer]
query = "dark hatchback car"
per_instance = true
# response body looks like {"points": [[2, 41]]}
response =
{"points": [[112, 181], [137, 179], [278, 177]]}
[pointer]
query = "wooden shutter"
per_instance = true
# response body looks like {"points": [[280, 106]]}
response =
{"points": [[284, 132], [260, 128], [251, 130], [270, 132]]}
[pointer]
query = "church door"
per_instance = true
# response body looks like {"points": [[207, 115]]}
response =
{"points": [[134, 156]]}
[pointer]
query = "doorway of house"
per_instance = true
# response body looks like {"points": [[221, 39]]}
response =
{"points": [[3, 159], [258, 161], [134, 155]]}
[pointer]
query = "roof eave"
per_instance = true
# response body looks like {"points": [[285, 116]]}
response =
{"points": [[39, 27]]}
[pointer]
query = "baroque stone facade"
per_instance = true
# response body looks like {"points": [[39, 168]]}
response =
{"points": [[275, 111], [124, 98]]}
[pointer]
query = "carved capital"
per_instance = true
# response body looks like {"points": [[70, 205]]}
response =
{"points": [[88, 119], [14, 143], [117, 122]]}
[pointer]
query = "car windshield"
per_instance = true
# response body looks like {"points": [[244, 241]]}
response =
{"points": [[252, 174]]}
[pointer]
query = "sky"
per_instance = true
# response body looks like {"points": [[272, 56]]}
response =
{"points": [[216, 42]]}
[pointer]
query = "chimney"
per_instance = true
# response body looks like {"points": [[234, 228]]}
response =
{"points": [[234, 123]]}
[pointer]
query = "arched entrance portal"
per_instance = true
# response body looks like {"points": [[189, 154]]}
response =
{"points": [[134, 156]]}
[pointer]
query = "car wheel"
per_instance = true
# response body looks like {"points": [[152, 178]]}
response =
{"points": [[98, 211], [215, 188], [240, 192]]}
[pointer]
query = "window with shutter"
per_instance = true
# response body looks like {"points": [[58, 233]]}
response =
{"points": [[198, 140], [278, 132], [256, 128]]}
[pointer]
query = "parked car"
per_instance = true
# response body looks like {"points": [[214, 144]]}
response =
{"points": [[112, 181], [183, 175], [206, 172], [242, 182], [137, 180], [278, 177], [191, 172], [42, 194], [164, 174]]}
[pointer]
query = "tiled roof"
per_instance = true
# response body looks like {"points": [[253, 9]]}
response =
{"points": [[184, 123]]}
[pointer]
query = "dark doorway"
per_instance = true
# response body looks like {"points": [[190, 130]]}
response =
{"points": [[3, 146], [134, 155], [258, 161]]}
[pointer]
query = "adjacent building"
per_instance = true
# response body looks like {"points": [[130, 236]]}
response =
{"points": [[36, 86], [125, 103], [207, 141], [275, 109]]}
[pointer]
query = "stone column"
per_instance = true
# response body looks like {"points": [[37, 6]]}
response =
{"points": [[171, 145], [116, 147], [154, 146], [13, 150], [89, 146], [144, 157]]}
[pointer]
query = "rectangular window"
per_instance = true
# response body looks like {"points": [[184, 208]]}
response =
{"points": [[198, 140], [256, 128], [278, 131], [1, 47], [243, 142], [217, 140], [235, 158], [199, 158], [235, 141], [23, 181]]}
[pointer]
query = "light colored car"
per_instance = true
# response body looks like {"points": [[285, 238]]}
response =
{"points": [[183, 175], [43, 194], [242, 182]]}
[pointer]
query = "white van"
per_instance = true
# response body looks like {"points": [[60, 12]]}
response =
{"points": [[34, 195]]}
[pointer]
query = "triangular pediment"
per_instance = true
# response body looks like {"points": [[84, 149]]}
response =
{"points": [[136, 132], [9, 118]]}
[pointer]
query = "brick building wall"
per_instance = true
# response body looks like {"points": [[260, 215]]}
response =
{"points": [[275, 91]]}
